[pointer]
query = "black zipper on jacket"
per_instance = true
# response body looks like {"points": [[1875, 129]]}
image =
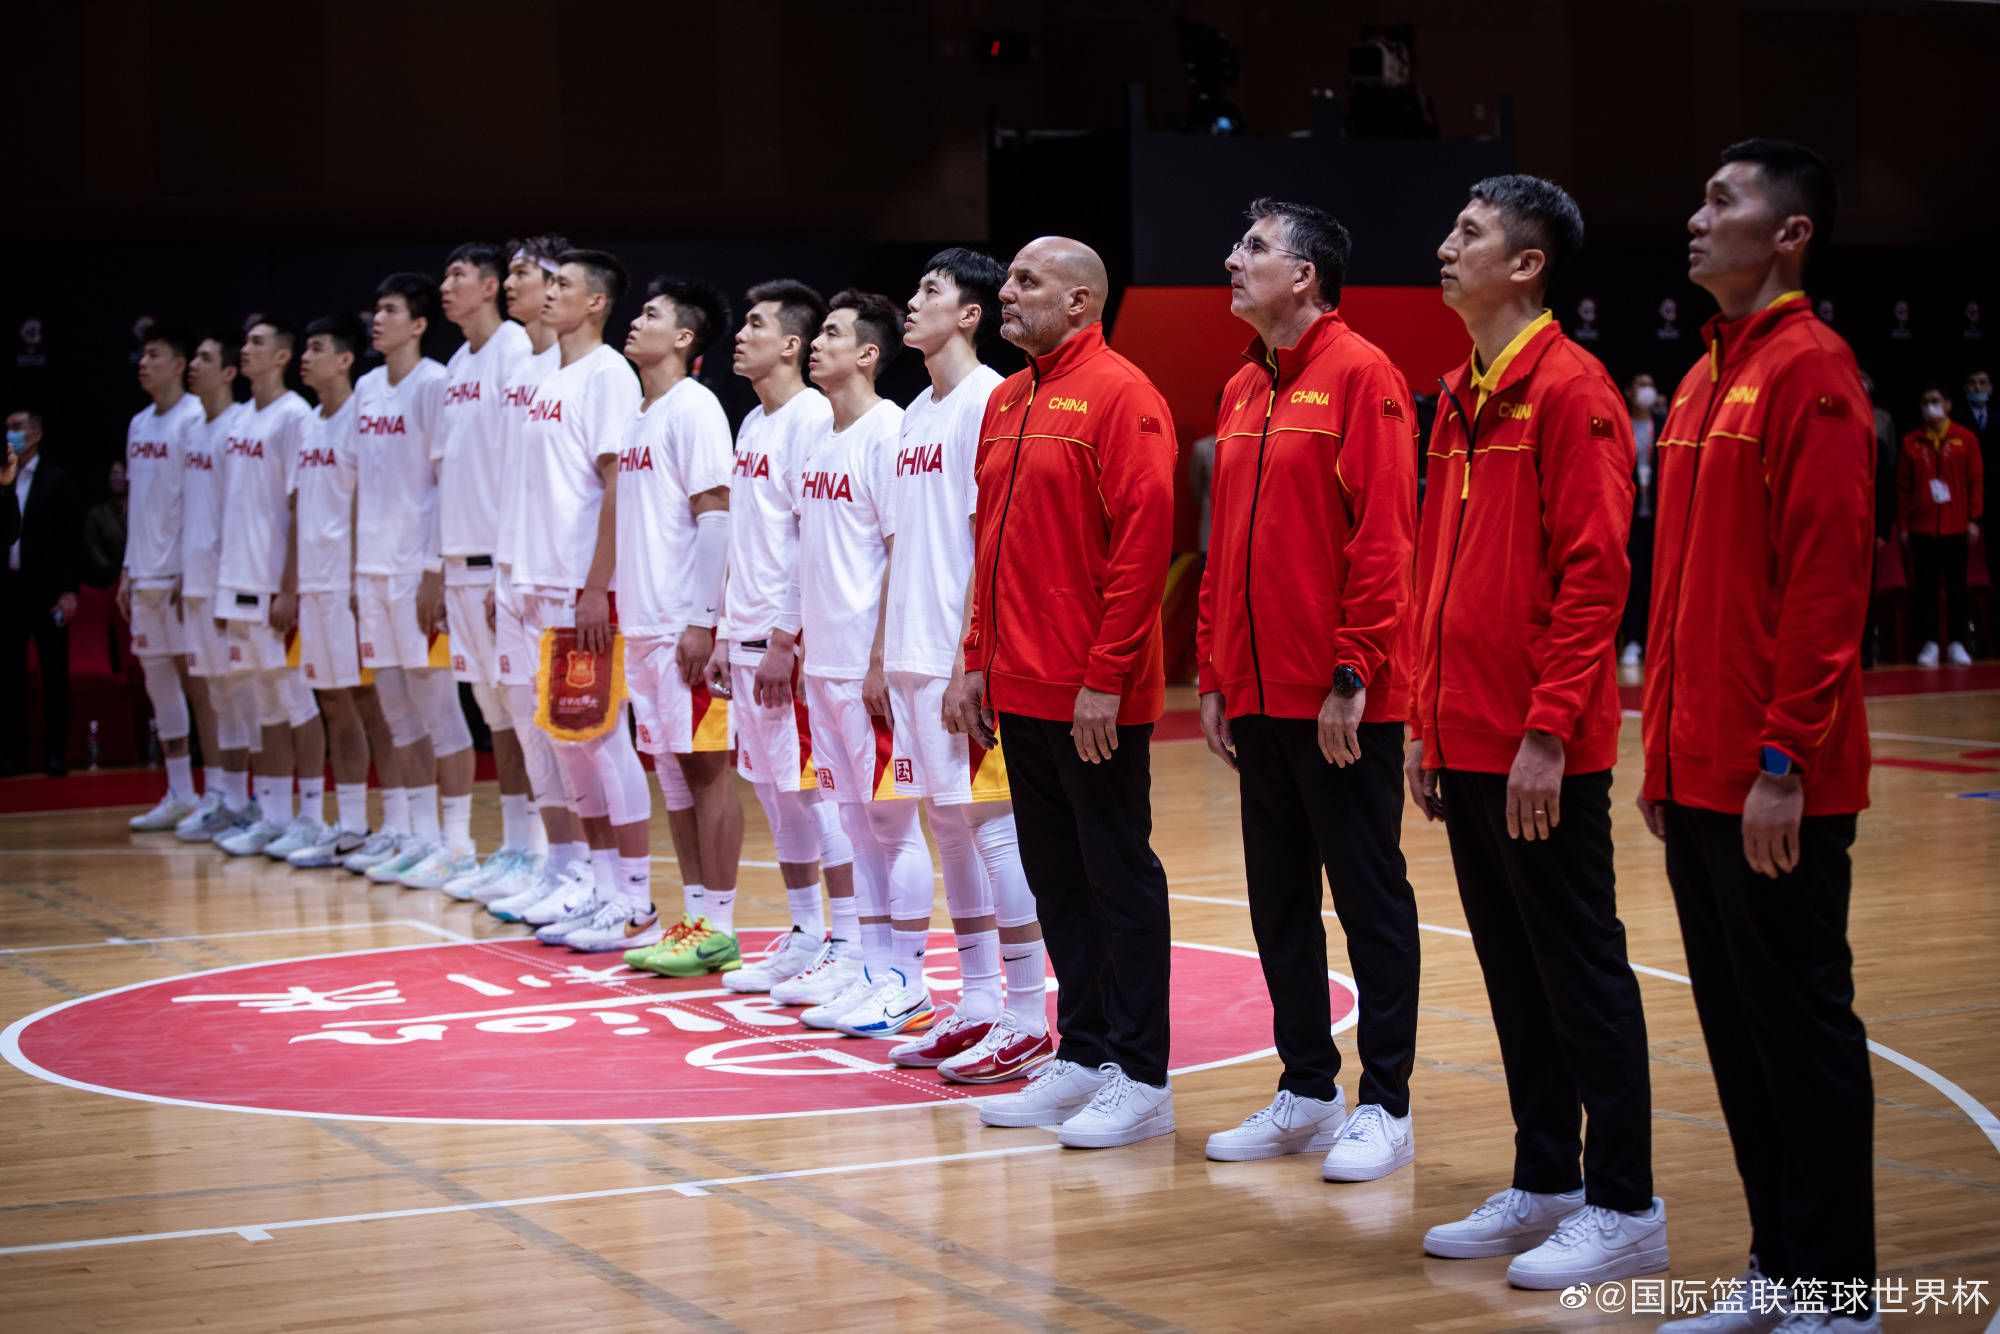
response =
{"points": [[1000, 524], [1715, 393], [1451, 561], [1250, 538]]}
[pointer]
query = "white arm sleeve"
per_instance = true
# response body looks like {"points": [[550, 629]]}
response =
{"points": [[709, 566]]}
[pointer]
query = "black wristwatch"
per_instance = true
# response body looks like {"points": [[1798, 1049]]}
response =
{"points": [[1346, 680]]}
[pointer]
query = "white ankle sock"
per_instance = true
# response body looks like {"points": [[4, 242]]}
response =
{"points": [[562, 855], [274, 798], [180, 778], [514, 819], [846, 918], [235, 790], [424, 813], [350, 801], [719, 906], [215, 779], [806, 913], [694, 901], [604, 865], [635, 882], [979, 966], [396, 810], [906, 954], [458, 823], [1027, 985], [312, 799]]}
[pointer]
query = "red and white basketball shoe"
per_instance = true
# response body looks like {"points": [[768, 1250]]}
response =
{"points": [[1006, 1052]]}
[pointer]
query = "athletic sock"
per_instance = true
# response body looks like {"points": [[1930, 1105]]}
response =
{"points": [[1027, 985], [312, 799], [274, 798], [538, 836], [424, 814], [979, 966], [350, 801], [235, 790], [720, 909], [396, 810], [846, 918], [564, 855], [635, 882], [906, 949], [694, 901], [514, 819], [458, 824], [180, 778], [604, 865], [877, 946], [806, 913], [214, 779]]}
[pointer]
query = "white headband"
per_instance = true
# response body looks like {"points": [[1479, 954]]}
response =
{"points": [[547, 265]]}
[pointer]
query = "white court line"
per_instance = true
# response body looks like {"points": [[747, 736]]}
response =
{"points": [[1977, 1112], [689, 1189], [1935, 740], [240, 935]]}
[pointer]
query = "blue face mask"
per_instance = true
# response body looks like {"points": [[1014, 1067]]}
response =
{"points": [[1976, 397], [17, 439]]}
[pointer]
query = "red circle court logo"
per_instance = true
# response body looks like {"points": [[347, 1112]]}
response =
{"points": [[512, 1031]]}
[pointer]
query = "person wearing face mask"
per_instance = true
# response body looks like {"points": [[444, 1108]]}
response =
{"points": [[37, 596], [1978, 411], [1642, 402], [1939, 485]]}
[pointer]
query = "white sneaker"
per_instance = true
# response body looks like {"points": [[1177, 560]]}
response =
{"points": [[1956, 655], [1058, 1091], [1594, 1245], [1371, 1145], [410, 850], [205, 821], [441, 866], [1291, 1124], [1630, 657], [618, 927], [1927, 656], [251, 839], [526, 871], [896, 1007], [556, 932], [1806, 1322], [1755, 1306], [335, 846], [167, 815], [300, 833], [860, 986], [1122, 1111], [576, 886], [831, 972], [1507, 1224], [465, 887], [378, 848], [527, 896], [789, 955]]}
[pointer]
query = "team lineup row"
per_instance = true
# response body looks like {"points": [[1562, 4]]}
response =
{"points": [[860, 603]]}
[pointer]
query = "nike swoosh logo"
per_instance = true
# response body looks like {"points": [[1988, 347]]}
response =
{"points": [[704, 952], [963, 948], [636, 928], [1240, 402], [1006, 405], [911, 1008]]}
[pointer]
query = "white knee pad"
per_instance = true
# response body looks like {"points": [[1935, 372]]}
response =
{"points": [[233, 698], [627, 798], [296, 697], [798, 827], [905, 855], [268, 701], [1000, 853], [580, 780], [436, 697], [392, 688], [493, 706], [545, 777], [163, 688], [674, 784]]}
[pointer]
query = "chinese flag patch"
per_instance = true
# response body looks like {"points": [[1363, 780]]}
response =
{"points": [[1600, 428], [1830, 405], [1391, 408], [1149, 425]]}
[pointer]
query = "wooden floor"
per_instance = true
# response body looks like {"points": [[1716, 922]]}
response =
{"points": [[839, 1230]]}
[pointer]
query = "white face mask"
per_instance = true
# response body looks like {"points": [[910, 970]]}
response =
{"points": [[1644, 397], [1934, 412]]}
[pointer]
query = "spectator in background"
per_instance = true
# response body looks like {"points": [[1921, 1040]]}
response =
{"points": [[104, 532], [1938, 485], [1977, 412], [10, 507], [1642, 400], [1887, 446], [37, 598]]}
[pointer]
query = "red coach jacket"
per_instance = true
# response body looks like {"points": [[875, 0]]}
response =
{"points": [[1949, 457], [1314, 508], [1521, 565], [1074, 532], [1761, 567]]}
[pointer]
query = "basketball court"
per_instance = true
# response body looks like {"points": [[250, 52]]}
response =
{"points": [[243, 1097]]}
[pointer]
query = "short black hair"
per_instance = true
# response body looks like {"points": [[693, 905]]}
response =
{"points": [[419, 293], [1935, 387], [1796, 179], [346, 331], [801, 310], [486, 258], [177, 337], [876, 320], [602, 271], [979, 278], [282, 332], [1315, 234], [700, 308], [1535, 215], [229, 342]]}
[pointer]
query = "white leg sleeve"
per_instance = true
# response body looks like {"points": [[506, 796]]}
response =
{"points": [[163, 688], [966, 890], [674, 784], [580, 780], [871, 868], [545, 778], [436, 697], [797, 827], [1000, 853], [627, 798], [493, 706], [235, 712], [835, 848], [392, 689], [906, 855]]}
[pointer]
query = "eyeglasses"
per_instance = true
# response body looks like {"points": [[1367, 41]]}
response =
{"points": [[1254, 246]]}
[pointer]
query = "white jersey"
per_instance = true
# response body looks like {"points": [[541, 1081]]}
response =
{"points": [[579, 415], [324, 482], [467, 443], [676, 448], [395, 526], [842, 554], [156, 445], [763, 516], [932, 494], [256, 518], [515, 400], [205, 485]]}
